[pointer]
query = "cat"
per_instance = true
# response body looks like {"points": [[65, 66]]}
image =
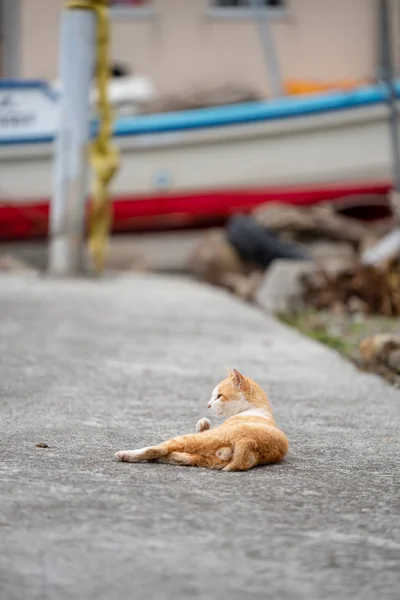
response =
{"points": [[249, 437]]}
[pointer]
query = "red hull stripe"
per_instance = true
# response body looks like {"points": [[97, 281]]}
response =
{"points": [[145, 213]]}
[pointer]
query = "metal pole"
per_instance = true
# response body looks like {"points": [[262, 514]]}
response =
{"points": [[387, 72], [261, 17], [67, 224], [389, 245]]}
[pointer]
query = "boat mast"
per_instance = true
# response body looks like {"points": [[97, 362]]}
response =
{"points": [[389, 245], [261, 18]]}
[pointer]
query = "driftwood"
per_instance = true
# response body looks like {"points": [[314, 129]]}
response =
{"points": [[374, 290], [324, 221]]}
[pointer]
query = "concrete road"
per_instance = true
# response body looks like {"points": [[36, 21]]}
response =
{"points": [[165, 252], [93, 367]]}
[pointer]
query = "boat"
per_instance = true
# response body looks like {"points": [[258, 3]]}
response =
{"points": [[197, 167]]}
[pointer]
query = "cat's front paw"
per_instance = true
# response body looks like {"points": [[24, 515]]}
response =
{"points": [[203, 425]]}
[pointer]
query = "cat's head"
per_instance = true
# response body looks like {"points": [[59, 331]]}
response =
{"points": [[236, 394]]}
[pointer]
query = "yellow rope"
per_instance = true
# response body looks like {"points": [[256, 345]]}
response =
{"points": [[103, 154]]}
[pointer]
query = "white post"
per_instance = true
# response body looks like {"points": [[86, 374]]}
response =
{"points": [[67, 223]]}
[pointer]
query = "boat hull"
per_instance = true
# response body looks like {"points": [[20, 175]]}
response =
{"points": [[184, 173]]}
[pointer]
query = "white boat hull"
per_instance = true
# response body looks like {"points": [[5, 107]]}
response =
{"points": [[232, 158]]}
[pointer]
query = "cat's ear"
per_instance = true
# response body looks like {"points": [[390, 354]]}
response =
{"points": [[240, 380]]}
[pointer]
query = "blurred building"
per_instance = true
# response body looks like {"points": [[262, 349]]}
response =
{"points": [[186, 44]]}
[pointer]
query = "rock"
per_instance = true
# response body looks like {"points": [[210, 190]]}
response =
{"points": [[324, 251], [393, 360], [367, 243], [332, 257], [308, 223], [358, 307], [281, 289], [281, 217], [331, 220], [216, 261], [243, 286], [379, 347], [214, 258]]}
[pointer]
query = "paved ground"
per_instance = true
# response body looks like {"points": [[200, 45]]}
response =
{"points": [[163, 251], [90, 368]]}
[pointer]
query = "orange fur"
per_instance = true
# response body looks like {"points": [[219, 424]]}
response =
{"points": [[249, 437]]}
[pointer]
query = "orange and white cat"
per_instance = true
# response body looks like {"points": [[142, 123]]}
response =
{"points": [[249, 437]]}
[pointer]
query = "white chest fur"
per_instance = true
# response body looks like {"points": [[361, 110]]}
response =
{"points": [[256, 412]]}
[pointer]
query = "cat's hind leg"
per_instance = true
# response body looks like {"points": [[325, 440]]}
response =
{"points": [[193, 460], [245, 457], [153, 452], [196, 449], [142, 454]]}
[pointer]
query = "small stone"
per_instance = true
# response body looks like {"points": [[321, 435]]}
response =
{"points": [[379, 347], [41, 445]]}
